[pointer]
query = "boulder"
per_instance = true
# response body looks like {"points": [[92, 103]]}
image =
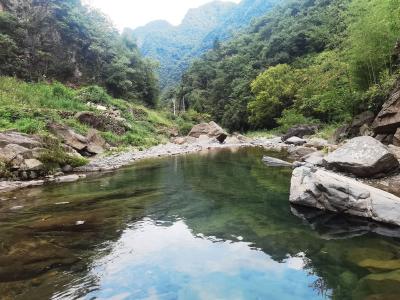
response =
{"points": [[68, 136], [275, 162], [294, 140], [365, 118], [388, 119], [298, 152], [21, 139], [362, 156], [10, 152], [232, 140], [212, 130], [315, 158], [102, 122], [32, 165], [179, 140], [395, 151], [317, 143], [96, 143], [325, 190], [300, 131], [396, 137]]}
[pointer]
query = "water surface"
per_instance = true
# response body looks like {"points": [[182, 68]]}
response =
{"points": [[215, 225]]}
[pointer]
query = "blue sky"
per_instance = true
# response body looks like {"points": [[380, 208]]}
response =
{"points": [[134, 13]]}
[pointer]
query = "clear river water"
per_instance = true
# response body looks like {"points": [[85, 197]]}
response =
{"points": [[214, 225]]}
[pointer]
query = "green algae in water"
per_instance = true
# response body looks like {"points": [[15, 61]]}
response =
{"points": [[214, 225]]}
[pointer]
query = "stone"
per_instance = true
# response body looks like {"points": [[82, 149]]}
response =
{"points": [[68, 136], [300, 131], [212, 130], [314, 158], [396, 138], [325, 190], [96, 143], [388, 119], [340, 134], [21, 139], [232, 140], [366, 130], [69, 178], [275, 162], [179, 140], [365, 118], [102, 122], [395, 151], [67, 169], [294, 140], [298, 152], [362, 156], [317, 143], [10, 152], [32, 165]]}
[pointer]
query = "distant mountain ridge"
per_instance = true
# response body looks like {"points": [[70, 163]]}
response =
{"points": [[174, 47]]}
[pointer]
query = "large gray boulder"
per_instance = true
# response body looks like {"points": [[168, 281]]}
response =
{"points": [[212, 130], [364, 157], [68, 136], [300, 131], [325, 190], [21, 139]]}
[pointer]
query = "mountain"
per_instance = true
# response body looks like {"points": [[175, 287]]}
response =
{"points": [[174, 47]]}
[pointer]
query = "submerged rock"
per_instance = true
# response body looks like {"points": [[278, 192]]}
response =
{"points": [[275, 162], [329, 191], [363, 156]]}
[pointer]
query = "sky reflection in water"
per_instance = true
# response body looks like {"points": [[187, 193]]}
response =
{"points": [[166, 261]]}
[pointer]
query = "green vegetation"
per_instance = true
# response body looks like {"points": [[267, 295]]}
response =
{"points": [[29, 107], [69, 42], [318, 61]]}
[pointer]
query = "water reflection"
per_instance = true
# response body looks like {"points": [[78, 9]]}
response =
{"points": [[166, 261], [215, 225]]}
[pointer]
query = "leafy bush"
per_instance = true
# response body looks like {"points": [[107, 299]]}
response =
{"points": [[94, 94], [291, 117]]}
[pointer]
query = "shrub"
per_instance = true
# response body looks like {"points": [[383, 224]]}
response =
{"points": [[29, 125], [95, 94], [290, 118]]}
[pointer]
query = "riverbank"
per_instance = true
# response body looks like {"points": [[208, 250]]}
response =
{"points": [[115, 161]]}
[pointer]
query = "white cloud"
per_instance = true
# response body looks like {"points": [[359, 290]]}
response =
{"points": [[134, 13]]}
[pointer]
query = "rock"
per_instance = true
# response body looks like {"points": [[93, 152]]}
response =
{"points": [[298, 152], [365, 118], [212, 130], [340, 134], [32, 165], [102, 122], [232, 140], [300, 131], [384, 138], [366, 130], [69, 178], [67, 169], [395, 151], [101, 108], [242, 138], [294, 140], [315, 158], [388, 119], [396, 137], [10, 152], [24, 140], [68, 136], [96, 143], [275, 162], [179, 140], [317, 143], [326, 190], [362, 156]]}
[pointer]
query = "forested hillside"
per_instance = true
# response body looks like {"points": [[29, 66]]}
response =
{"points": [[71, 43], [174, 47], [305, 61]]}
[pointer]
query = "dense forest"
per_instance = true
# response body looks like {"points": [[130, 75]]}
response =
{"points": [[66, 41], [315, 61], [175, 47]]}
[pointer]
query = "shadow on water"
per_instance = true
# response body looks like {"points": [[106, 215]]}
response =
{"points": [[214, 225]]}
